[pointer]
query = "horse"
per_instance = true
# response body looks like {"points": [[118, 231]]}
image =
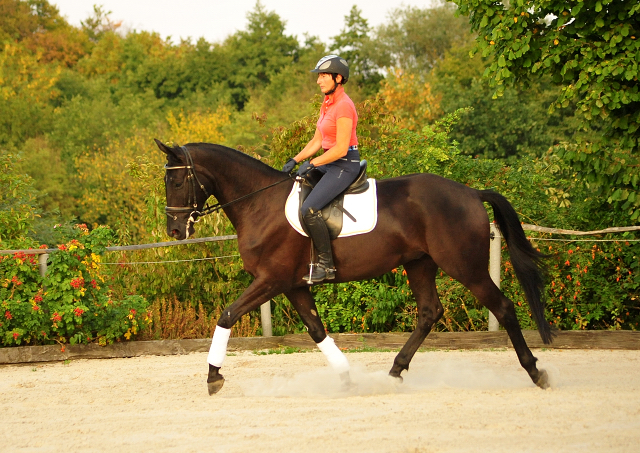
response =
{"points": [[425, 222]]}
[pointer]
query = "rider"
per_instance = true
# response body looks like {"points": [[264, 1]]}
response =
{"points": [[339, 163]]}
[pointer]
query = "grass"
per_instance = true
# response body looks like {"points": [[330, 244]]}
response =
{"points": [[281, 350], [369, 349]]}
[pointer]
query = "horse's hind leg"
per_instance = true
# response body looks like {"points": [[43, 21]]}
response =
{"points": [[421, 274], [502, 307], [303, 302]]}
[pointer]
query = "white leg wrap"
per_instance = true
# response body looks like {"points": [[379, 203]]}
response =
{"points": [[334, 355], [218, 350]]}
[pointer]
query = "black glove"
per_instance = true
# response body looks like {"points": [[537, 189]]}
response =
{"points": [[305, 168], [290, 165]]}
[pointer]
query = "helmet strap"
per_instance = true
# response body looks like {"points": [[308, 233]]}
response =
{"points": [[335, 85]]}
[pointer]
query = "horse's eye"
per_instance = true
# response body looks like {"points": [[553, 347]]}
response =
{"points": [[178, 185]]}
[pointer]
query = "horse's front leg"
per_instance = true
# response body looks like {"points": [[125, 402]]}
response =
{"points": [[260, 291], [303, 302]]}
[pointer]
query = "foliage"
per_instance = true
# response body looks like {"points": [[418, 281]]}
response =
{"points": [[38, 26], [410, 99], [26, 87], [18, 206], [72, 303], [591, 49], [513, 125], [590, 286], [198, 126], [173, 320], [355, 45], [416, 39], [258, 53]]}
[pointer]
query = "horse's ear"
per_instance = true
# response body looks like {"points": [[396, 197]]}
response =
{"points": [[164, 148]]}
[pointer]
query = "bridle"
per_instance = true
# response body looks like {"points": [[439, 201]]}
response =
{"points": [[192, 203]]}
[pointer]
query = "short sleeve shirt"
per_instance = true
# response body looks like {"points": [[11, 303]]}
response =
{"points": [[340, 106]]}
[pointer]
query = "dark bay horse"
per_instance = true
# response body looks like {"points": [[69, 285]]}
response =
{"points": [[425, 222]]}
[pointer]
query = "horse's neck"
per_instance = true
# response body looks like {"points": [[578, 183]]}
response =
{"points": [[234, 175]]}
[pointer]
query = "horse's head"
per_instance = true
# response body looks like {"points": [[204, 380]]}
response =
{"points": [[185, 194]]}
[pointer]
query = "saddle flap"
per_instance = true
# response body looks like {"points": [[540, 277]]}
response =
{"points": [[331, 214]]}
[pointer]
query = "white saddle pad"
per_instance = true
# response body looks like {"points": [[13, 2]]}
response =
{"points": [[363, 207]]}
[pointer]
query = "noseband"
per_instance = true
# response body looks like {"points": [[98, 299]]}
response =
{"points": [[192, 203]]}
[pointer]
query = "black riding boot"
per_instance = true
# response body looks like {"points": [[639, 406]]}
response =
{"points": [[317, 229]]}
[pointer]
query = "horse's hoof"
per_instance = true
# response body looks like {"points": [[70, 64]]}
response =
{"points": [[216, 385], [543, 380], [399, 379], [347, 383]]}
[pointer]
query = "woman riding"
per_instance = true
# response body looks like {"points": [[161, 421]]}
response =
{"points": [[339, 163]]}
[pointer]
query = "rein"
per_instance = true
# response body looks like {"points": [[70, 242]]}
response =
{"points": [[192, 206]]}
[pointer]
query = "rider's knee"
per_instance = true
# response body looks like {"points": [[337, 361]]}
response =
{"points": [[309, 213]]}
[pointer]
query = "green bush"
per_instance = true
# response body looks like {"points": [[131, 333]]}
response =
{"points": [[18, 206]]}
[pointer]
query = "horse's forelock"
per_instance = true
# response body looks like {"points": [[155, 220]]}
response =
{"points": [[175, 156]]}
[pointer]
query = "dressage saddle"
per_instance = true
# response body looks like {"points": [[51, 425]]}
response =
{"points": [[332, 213]]}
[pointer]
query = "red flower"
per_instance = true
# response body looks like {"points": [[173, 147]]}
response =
{"points": [[15, 281], [132, 311], [56, 317], [77, 282], [15, 335], [94, 283], [36, 308], [78, 311], [37, 299], [62, 247], [7, 314]]}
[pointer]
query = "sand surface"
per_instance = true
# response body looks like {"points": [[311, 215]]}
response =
{"points": [[450, 401]]}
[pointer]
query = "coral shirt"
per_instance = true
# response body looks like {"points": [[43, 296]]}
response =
{"points": [[338, 106]]}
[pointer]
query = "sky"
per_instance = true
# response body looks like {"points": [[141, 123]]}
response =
{"points": [[214, 20]]}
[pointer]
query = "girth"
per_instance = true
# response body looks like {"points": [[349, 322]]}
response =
{"points": [[332, 213]]}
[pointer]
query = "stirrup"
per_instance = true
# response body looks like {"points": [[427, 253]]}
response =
{"points": [[323, 274]]}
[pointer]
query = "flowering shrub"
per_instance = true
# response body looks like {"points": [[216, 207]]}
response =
{"points": [[595, 286], [72, 303]]}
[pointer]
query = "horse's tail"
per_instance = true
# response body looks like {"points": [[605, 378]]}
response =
{"points": [[527, 261]]}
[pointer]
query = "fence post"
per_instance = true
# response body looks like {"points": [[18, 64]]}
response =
{"points": [[42, 263], [495, 257], [265, 315]]}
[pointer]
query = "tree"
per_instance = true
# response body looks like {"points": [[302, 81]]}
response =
{"points": [[410, 99], [354, 44], [39, 27], [510, 126], [591, 49], [27, 86], [18, 206], [416, 39], [258, 53], [99, 24]]}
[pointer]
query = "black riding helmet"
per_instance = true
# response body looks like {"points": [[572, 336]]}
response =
{"points": [[333, 64]]}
